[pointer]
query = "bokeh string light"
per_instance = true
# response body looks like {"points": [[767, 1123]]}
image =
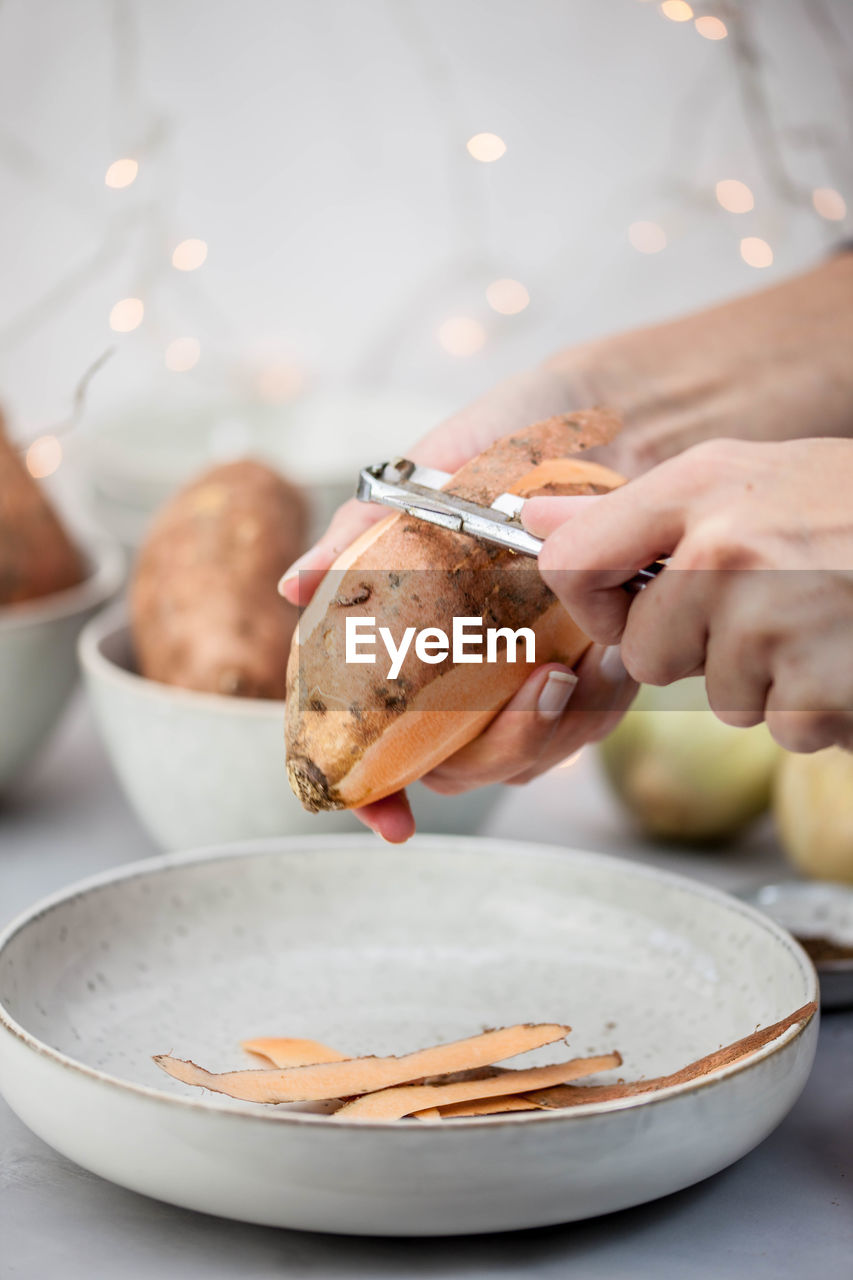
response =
{"points": [[829, 203], [182, 354], [647, 237], [507, 297], [734, 196], [121, 173], [43, 457], [676, 10], [462, 336], [486, 147], [756, 252], [189, 255], [127, 315], [711, 28]]}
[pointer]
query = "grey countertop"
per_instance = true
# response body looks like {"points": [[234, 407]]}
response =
{"points": [[786, 1210]]}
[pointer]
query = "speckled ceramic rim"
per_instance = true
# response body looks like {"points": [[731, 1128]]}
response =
{"points": [[99, 667], [297, 844], [106, 559]]}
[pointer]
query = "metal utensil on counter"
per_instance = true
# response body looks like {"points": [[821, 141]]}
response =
{"points": [[820, 916]]}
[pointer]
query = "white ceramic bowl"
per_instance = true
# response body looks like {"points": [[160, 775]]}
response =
{"points": [[203, 768], [377, 950], [38, 663]]}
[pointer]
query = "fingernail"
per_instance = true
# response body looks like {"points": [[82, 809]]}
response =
{"points": [[292, 572], [612, 668], [556, 691]]}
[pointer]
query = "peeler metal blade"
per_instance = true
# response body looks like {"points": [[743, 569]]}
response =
{"points": [[418, 491]]}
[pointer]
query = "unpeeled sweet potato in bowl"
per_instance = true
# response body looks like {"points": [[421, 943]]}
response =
{"points": [[205, 611], [355, 736], [37, 557]]}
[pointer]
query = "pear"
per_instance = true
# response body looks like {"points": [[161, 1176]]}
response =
{"points": [[813, 808], [681, 772]]}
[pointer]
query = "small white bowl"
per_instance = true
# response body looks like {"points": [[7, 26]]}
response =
{"points": [[378, 950], [38, 664], [202, 768]]}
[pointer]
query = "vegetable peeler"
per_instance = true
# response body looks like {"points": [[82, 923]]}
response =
{"points": [[418, 491]]}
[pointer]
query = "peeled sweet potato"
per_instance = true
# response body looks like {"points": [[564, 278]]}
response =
{"points": [[36, 555], [205, 611], [354, 735]]}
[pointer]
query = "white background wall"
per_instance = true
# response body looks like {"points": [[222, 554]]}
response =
{"points": [[318, 146]]}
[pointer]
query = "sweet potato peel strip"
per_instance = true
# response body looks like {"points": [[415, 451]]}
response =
{"points": [[394, 1103], [284, 1051], [365, 1075], [576, 1095]]}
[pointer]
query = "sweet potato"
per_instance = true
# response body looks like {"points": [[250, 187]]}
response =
{"points": [[36, 555], [205, 611], [353, 735]]}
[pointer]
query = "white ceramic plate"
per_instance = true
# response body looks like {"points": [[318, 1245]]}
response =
{"points": [[385, 950]]}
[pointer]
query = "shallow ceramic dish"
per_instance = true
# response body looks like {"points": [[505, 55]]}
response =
{"points": [[203, 768], [380, 950], [38, 662]]}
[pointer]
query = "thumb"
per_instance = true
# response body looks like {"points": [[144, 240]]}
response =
{"points": [[541, 516]]}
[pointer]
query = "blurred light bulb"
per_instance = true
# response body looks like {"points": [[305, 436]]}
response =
{"points": [[189, 255], [647, 237], [486, 147], [43, 456], [711, 28], [182, 354], [462, 336], [676, 10], [278, 383], [121, 173], [734, 196], [507, 297], [829, 203], [127, 315], [756, 252]]}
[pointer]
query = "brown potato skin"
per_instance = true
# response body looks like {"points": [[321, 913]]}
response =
{"points": [[205, 610], [36, 555]]}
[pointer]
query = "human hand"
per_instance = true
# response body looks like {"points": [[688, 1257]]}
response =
{"points": [[758, 594]]}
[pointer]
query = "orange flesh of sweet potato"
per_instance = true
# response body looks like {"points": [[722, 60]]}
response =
{"points": [[36, 555], [361, 1075], [569, 1096], [288, 1052], [205, 610], [352, 736], [394, 1103], [479, 1107]]}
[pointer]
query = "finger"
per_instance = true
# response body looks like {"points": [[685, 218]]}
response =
{"points": [[301, 580], [516, 737], [391, 818], [604, 693], [667, 625], [739, 653], [602, 544], [543, 516]]}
